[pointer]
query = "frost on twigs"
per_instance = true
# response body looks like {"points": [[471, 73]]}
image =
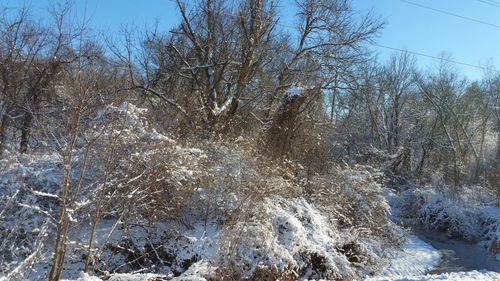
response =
{"points": [[190, 209], [472, 216]]}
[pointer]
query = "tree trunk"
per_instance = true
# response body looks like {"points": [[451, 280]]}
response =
{"points": [[63, 218], [3, 126], [332, 110], [395, 125], [27, 120], [25, 132], [421, 164]]}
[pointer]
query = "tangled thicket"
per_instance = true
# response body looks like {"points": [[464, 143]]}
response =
{"points": [[227, 144], [151, 195]]}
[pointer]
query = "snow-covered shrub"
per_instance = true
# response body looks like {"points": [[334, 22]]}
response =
{"points": [[351, 201], [28, 198], [156, 180], [262, 233], [290, 240], [443, 214], [489, 221], [147, 203], [238, 176], [469, 215], [162, 175], [353, 198]]}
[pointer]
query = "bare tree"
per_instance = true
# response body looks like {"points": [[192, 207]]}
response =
{"points": [[396, 84], [79, 84], [20, 55]]}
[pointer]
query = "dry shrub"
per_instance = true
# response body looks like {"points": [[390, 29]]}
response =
{"points": [[232, 183], [352, 197], [238, 173], [159, 179], [142, 172], [300, 129]]}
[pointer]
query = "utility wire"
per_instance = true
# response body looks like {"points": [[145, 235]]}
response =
{"points": [[430, 56], [493, 1], [450, 13], [495, 4]]}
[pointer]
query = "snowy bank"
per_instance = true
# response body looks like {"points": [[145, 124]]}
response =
{"points": [[454, 276], [470, 215]]}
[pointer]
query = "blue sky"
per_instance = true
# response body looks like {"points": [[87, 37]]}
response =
{"points": [[407, 26], [429, 32]]}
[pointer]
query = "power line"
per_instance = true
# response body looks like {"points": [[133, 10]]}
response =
{"points": [[495, 4], [430, 56], [450, 13], [493, 1]]}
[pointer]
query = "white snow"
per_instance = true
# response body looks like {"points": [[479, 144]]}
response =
{"points": [[416, 257], [84, 277], [454, 276], [302, 229], [194, 274], [117, 277], [196, 271], [467, 216], [294, 91]]}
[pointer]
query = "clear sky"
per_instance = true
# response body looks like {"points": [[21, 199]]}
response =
{"points": [[407, 26], [430, 32]]}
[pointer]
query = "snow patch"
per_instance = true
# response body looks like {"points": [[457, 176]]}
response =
{"points": [[481, 275], [415, 257], [197, 271], [294, 91]]}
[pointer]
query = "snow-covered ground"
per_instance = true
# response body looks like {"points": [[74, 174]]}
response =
{"points": [[465, 218], [454, 276], [415, 257]]}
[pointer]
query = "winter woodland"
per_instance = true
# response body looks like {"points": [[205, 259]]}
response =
{"points": [[236, 146]]}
